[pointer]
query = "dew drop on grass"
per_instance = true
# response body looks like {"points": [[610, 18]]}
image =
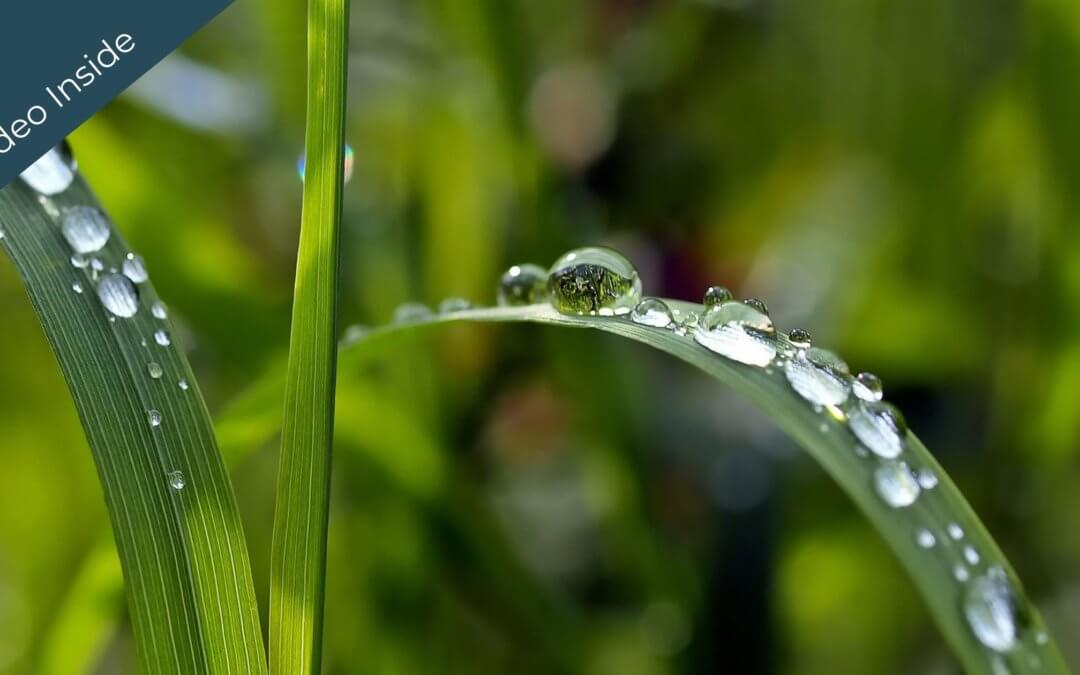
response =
{"points": [[96, 266], [85, 228], [451, 305], [759, 305], [819, 376], [183, 384], [118, 295], [594, 280], [715, 295], [955, 531], [523, 285], [301, 164], [879, 426], [928, 480], [971, 555], [736, 313], [925, 538], [960, 573], [1041, 638], [77, 287], [135, 268], [652, 312], [739, 332], [354, 333], [52, 173], [177, 480], [154, 368], [800, 338], [157, 310], [867, 387], [993, 610], [79, 261], [162, 338], [895, 484], [154, 417], [409, 312]]}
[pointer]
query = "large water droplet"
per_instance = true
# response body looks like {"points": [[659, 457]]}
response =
{"points": [[177, 480], [896, 484], [715, 295], [135, 268], [594, 280], [819, 376], [523, 285], [879, 426], [154, 417], [162, 338], [301, 164], [154, 368], [409, 312], [867, 386], [85, 229], [52, 173], [738, 343], [157, 310], [652, 312], [993, 610], [451, 305], [118, 295]]}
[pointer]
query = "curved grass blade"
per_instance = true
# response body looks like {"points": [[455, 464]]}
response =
{"points": [[298, 558], [185, 564]]}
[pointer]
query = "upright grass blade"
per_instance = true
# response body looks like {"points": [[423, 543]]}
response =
{"points": [[172, 509], [298, 559]]}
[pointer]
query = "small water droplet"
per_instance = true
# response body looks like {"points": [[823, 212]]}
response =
{"points": [[879, 426], [955, 531], [176, 480], [757, 304], [523, 285], [960, 573], [347, 171], [652, 312], [162, 338], [594, 280], [716, 295], [183, 384], [2, 233], [925, 539], [53, 172], [409, 312], [971, 555], [85, 229], [96, 266], [451, 305], [135, 268], [157, 310], [927, 479], [79, 261], [355, 333], [154, 417], [144, 343], [867, 387], [77, 287], [1041, 638], [799, 338], [993, 610], [154, 368], [118, 295], [896, 484], [819, 376]]}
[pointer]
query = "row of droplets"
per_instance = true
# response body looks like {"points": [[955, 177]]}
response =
{"points": [[86, 230]]}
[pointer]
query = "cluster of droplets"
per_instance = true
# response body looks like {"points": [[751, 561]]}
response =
{"points": [[87, 232]]}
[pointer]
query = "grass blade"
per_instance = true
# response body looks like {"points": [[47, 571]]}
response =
{"points": [[298, 559], [185, 564]]}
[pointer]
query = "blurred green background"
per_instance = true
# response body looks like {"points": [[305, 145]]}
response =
{"points": [[899, 178]]}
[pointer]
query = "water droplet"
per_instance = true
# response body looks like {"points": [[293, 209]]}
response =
{"points": [[652, 312], [960, 573], [927, 479], [738, 343], [993, 610], [135, 268], [154, 368], [85, 229], [799, 338], [736, 313], [867, 387], [176, 480], [183, 384], [896, 484], [1041, 638], [971, 555], [96, 266], [162, 338], [301, 164], [118, 295], [355, 333], [879, 426], [955, 531], [2, 233], [925, 539], [53, 172], [523, 285], [451, 305], [79, 261], [759, 305], [819, 376], [594, 280], [409, 312], [77, 287], [158, 311], [154, 417], [716, 295], [688, 323]]}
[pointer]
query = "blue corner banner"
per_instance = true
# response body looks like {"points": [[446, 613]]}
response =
{"points": [[63, 60]]}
